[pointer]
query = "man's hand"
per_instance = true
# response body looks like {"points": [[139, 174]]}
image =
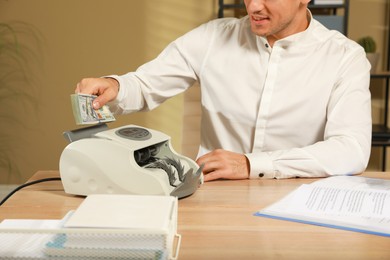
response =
{"points": [[221, 164], [105, 88]]}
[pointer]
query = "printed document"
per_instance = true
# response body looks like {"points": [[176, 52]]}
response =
{"points": [[347, 202]]}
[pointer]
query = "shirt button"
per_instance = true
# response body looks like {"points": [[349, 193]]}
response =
{"points": [[261, 175]]}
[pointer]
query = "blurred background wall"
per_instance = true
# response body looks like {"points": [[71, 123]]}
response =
{"points": [[66, 40], [63, 41]]}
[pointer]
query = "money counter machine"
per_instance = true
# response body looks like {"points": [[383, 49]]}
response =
{"points": [[125, 160]]}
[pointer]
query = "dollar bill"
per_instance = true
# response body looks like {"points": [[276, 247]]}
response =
{"points": [[84, 113]]}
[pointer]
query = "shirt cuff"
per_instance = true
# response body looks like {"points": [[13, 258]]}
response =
{"points": [[261, 166]]}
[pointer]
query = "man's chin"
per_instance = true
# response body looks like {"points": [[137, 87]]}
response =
{"points": [[259, 31]]}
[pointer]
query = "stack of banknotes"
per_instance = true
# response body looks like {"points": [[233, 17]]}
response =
{"points": [[84, 113]]}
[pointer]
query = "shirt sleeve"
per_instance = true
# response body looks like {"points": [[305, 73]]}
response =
{"points": [[170, 73], [346, 147]]}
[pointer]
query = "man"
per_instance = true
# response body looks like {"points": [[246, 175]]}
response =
{"points": [[282, 96]]}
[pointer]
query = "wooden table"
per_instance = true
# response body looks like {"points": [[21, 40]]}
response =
{"points": [[217, 222]]}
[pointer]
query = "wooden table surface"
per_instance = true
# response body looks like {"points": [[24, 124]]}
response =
{"points": [[217, 222]]}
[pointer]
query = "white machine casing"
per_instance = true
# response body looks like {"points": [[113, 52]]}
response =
{"points": [[108, 162]]}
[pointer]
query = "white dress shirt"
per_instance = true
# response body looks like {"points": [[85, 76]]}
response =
{"points": [[301, 108]]}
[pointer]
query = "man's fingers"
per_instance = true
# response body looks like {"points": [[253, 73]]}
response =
{"points": [[106, 89], [214, 175], [87, 86], [222, 164], [210, 166], [100, 101]]}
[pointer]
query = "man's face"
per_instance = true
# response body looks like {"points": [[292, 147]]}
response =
{"points": [[277, 19]]}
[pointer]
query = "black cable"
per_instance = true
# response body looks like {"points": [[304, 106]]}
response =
{"points": [[28, 184]]}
